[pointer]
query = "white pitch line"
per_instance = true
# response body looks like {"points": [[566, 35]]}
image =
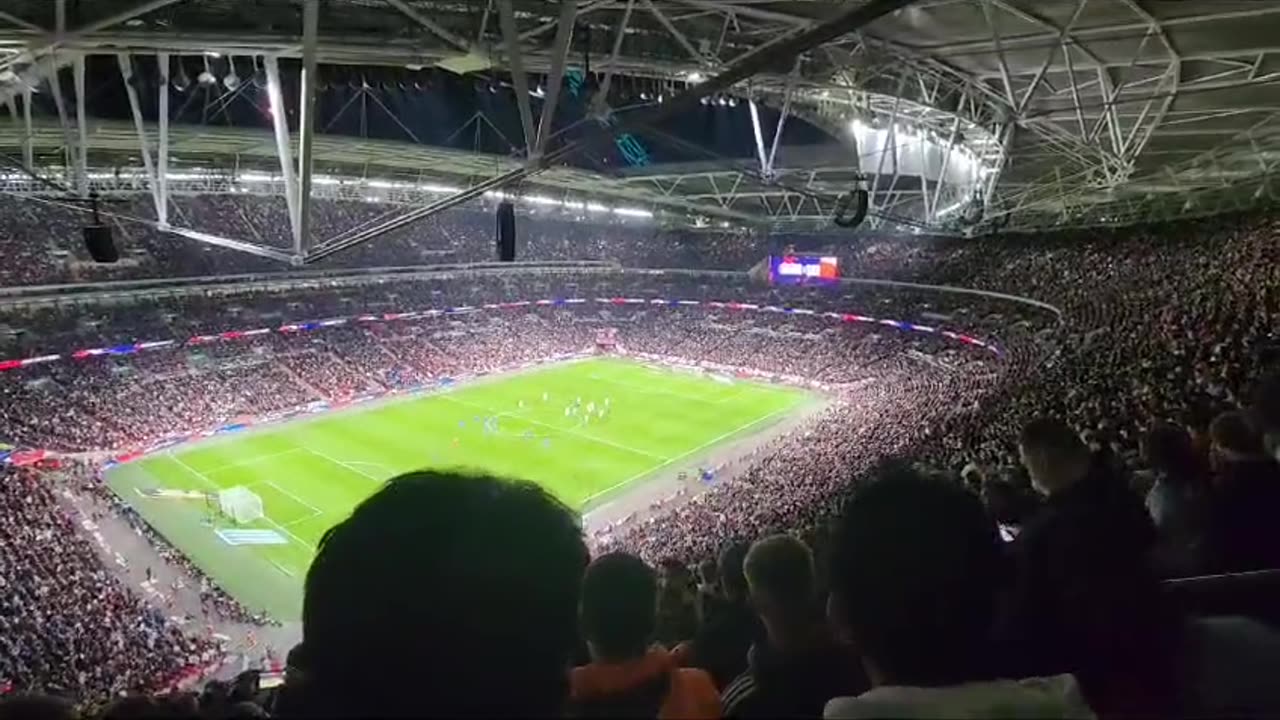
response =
{"points": [[295, 498], [299, 521], [205, 479], [637, 387], [678, 458], [348, 466], [567, 431], [252, 460]]}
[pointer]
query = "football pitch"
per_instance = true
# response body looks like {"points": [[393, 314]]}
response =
{"points": [[585, 430]]}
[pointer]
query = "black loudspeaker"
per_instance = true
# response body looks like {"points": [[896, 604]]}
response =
{"points": [[101, 246], [859, 201], [506, 232]]}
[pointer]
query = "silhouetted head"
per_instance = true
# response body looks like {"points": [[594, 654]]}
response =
{"points": [[914, 574], [619, 606], [444, 593]]}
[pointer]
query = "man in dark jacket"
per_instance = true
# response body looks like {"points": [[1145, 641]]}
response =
{"points": [[1245, 498], [721, 645], [799, 666], [1085, 600]]}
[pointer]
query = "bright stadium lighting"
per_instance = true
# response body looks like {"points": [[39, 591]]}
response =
{"points": [[694, 77], [596, 207], [632, 212]]}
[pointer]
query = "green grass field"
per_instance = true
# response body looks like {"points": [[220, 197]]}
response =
{"points": [[311, 472]]}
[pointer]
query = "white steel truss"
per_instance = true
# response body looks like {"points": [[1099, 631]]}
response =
{"points": [[1077, 112]]}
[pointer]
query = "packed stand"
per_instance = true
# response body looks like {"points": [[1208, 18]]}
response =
{"points": [[1051, 489], [67, 625], [910, 605], [42, 238]]}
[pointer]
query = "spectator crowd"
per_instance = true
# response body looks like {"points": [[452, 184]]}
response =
{"points": [[959, 533]]}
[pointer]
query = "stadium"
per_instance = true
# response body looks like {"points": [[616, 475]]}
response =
{"points": [[778, 358]]}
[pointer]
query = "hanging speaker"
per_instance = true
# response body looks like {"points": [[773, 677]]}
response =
{"points": [[506, 235], [851, 209], [101, 246]]}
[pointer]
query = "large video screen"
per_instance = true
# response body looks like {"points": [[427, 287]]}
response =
{"points": [[803, 269]]}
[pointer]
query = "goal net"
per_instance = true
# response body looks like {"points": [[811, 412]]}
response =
{"points": [[240, 504]]}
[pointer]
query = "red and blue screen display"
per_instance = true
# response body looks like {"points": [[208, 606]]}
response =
{"points": [[803, 269]]}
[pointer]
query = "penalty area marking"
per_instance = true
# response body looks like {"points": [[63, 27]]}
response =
{"points": [[686, 455], [205, 479], [352, 466], [251, 460], [283, 569]]}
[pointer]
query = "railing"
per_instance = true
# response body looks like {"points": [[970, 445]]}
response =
{"points": [[1253, 594], [278, 281]]}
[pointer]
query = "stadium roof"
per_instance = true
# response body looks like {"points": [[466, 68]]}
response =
{"points": [[1068, 112]]}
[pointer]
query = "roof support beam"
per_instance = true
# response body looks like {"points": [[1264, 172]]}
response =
{"points": [[1048, 60], [555, 79], [515, 58], [144, 143], [847, 18], [284, 150], [19, 22], [942, 173], [1105, 30], [603, 93], [889, 145], [999, 46], [306, 125], [82, 130], [228, 243], [680, 37], [31, 54], [759, 138], [60, 102], [162, 153], [431, 26], [782, 117], [28, 149]]}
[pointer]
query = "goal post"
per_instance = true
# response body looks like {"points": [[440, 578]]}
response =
{"points": [[240, 504]]}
